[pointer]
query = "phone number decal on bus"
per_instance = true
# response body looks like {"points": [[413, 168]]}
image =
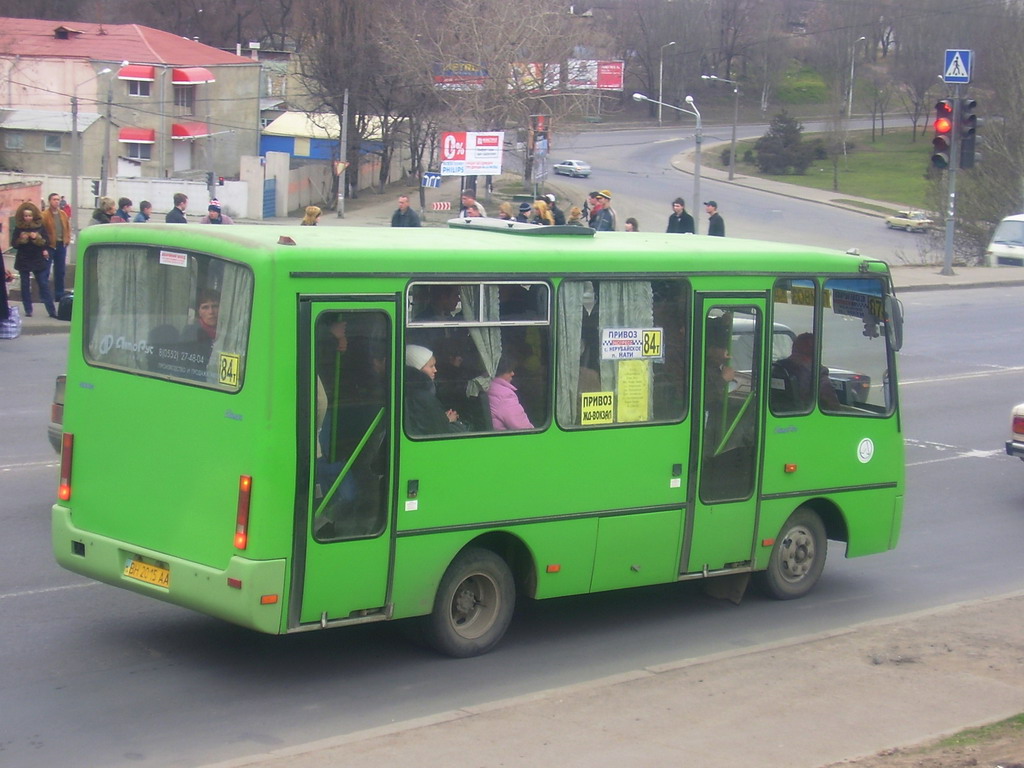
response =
{"points": [[631, 344]]}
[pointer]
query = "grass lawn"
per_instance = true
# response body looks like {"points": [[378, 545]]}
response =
{"points": [[892, 168]]}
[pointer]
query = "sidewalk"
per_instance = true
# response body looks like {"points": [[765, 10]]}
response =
{"points": [[800, 704]]}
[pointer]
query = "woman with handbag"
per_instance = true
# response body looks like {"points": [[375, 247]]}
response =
{"points": [[29, 239]]}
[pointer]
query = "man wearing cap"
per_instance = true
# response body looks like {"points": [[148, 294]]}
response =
{"points": [[557, 213], [680, 222], [716, 224], [524, 212], [214, 216], [602, 217]]}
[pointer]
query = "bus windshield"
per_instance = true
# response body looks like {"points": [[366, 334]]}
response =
{"points": [[170, 314]]}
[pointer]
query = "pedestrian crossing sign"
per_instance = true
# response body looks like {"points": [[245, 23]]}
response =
{"points": [[958, 66]]}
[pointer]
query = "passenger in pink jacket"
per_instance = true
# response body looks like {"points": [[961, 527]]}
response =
{"points": [[506, 411]]}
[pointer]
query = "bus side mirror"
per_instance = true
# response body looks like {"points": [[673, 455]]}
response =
{"points": [[894, 322]]}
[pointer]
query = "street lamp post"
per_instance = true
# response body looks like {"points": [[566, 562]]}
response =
{"points": [[735, 118], [698, 139], [853, 59], [76, 154], [661, 73]]}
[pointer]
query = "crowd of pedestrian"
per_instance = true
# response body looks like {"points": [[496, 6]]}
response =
{"points": [[597, 213]]}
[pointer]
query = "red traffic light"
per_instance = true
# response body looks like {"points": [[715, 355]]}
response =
{"points": [[943, 116]]}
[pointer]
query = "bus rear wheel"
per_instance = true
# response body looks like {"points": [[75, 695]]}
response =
{"points": [[798, 556], [473, 606]]}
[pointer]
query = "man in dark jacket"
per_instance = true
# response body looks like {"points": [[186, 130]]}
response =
{"points": [[680, 222], [404, 216], [177, 214], [557, 213], [716, 224], [602, 216]]}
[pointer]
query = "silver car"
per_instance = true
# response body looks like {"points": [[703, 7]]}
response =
{"points": [[574, 168], [1015, 445]]}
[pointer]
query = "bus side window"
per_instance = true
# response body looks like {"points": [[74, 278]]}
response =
{"points": [[622, 352], [853, 346], [469, 328], [790, 390]]}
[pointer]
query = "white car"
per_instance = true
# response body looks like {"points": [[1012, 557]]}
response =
{"points": [[575, 168], [1015, 445], [910, 221]]}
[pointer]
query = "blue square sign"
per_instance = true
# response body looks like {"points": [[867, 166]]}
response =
{"points": [[958, 66]]}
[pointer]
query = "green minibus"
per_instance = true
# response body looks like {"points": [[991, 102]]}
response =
{"points": [[297, 429]]}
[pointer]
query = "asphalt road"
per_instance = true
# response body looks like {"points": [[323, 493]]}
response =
{"points": [[636, 166], [96, 676]]}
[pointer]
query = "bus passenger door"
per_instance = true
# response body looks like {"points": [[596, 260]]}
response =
{"points": [[727, 434], [343, 539]]}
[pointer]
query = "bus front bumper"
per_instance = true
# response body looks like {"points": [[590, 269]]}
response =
{"points": [[248, 592]]}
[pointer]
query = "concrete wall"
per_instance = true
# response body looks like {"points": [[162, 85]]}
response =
{"points": [[296, 188]]}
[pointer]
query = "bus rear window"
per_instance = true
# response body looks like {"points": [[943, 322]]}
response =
{"points": [[173, 315]]}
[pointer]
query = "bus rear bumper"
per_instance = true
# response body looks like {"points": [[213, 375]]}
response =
{"points": [[249, 592]]}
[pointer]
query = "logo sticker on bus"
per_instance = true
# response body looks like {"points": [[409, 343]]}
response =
{"points": [[230, 369], [865, 450]]}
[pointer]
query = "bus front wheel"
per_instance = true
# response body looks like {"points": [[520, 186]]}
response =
{"points": [[798, 556], [473, 606]]}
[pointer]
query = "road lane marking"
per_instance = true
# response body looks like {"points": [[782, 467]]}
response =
{"points": [[28, 465], [998, 370], [30, 592], [954, 452]]}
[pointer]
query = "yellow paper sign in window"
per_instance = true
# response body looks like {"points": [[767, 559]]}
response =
{"points": [[634, 390], [597, 408], [230, 369]]}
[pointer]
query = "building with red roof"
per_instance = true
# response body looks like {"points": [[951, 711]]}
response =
{"points": [[146, 102]]}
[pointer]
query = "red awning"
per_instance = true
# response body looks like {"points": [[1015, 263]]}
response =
{"points": [[137, 72], [137, 135], [189, 130], [192, 76]]}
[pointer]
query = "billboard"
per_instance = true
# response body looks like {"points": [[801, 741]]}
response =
{"points": [[471, 153], [590, 74], [459, 77]]}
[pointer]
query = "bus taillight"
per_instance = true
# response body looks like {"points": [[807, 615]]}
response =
{"points": [[242, 517], [66, 450]]}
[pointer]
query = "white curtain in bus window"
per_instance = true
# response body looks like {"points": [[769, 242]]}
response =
{"points": [[168, 314], [596, 387], [854, 345]]}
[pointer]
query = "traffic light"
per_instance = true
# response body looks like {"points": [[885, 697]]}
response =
{"points": [[968, 131], [209, 178], [942, 143], [95, 188]]}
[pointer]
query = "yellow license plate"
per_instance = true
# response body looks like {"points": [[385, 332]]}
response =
{"points": [[151, 574]]}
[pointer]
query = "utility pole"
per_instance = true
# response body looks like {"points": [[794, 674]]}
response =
{"points": [[105, 163], [954, 163], [343, 151]]}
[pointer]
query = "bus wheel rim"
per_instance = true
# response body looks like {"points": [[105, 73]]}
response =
{"points": [[796, 557], [475, 606]]}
